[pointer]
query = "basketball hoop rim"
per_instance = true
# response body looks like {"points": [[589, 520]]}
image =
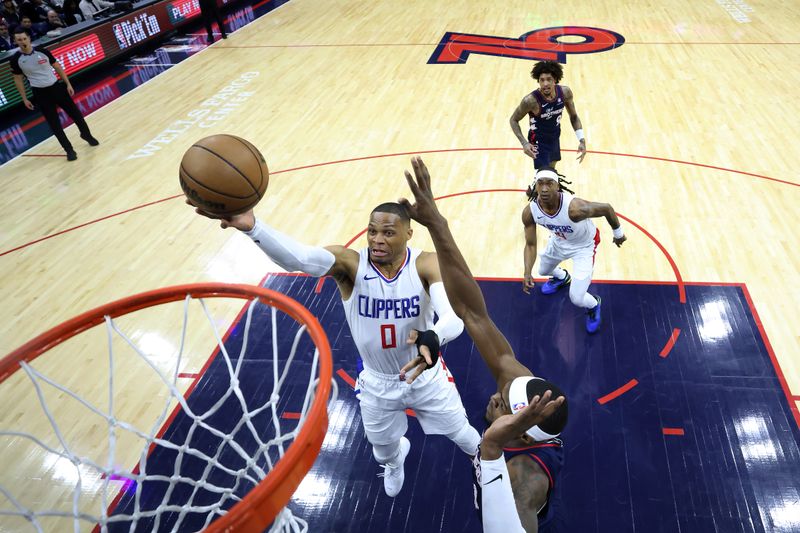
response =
{"points": [[259, 507]]}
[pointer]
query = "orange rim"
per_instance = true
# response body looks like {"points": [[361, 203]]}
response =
{"points": [[259, 507]]}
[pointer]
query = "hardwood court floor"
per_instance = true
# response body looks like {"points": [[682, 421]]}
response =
{"points": [[688, 125]]}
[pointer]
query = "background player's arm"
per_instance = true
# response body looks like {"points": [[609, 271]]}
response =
{"points": [[530, 249], [581, 209], [527, 105], [462, 291], [574, 119]]}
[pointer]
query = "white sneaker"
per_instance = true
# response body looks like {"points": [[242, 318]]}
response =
{"points": [[393, 474]]}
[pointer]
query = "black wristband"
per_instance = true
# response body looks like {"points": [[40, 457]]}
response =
{"points": [[430, 339]]}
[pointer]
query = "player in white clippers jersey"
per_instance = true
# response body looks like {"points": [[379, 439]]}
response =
{"points": [[572, 236], [518, 463], [390, 293]]}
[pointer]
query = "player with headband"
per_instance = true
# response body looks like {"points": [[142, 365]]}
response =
{"points": [[526, 414]]}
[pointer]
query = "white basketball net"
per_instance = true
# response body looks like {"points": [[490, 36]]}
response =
{"points": [[239, 479]]}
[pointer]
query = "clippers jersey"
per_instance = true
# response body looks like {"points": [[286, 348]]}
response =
{"points": [[382, 312], [548, 124], [566, 234]]}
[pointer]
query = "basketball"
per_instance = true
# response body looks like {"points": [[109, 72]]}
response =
{"points": [[223, 175]]}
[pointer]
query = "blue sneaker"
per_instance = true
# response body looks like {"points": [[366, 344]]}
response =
{"points": [[593, 318], [552, 285]]}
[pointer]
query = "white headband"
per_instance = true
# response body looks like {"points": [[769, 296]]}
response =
{"points": [[518, 399], [546, 174]]}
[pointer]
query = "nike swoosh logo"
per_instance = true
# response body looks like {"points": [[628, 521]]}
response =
{"points": [[368, 278], [499, 476]]}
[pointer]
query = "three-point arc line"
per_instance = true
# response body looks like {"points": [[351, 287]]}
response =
{"points": [[619, 392], [670, 343]]}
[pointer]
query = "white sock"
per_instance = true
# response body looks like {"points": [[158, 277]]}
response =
{"points": [[589, 301], [559, 273]]}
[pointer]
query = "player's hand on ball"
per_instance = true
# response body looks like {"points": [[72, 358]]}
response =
{"points": [[243, 221]]}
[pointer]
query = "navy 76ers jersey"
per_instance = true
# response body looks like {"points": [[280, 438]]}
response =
{"points": [[382, 312], [548, 124]]}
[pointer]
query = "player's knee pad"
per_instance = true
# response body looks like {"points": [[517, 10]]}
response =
{"points": [[384, 453], [466, 438]]}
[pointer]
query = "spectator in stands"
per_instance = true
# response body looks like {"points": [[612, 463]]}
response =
{"points": [[10, 14], [90, 7], [26, 24], [53, 22], [36, 10], [72, 13], [49, 93], [6, 42]]}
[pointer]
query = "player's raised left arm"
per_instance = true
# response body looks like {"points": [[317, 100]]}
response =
{"points": [[448, 326], [581, 209], [462, 290], [575, 120]]}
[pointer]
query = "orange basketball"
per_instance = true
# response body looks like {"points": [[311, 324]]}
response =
{"points": [[224, 175]]}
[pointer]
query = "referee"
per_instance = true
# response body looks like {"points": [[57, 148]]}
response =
{"points": [[48, 92]]}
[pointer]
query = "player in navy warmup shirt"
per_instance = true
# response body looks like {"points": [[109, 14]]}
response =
{"points": [[544, 108]]}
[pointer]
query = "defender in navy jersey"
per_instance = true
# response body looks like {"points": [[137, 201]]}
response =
{"points": [[526, 414], [544, 108], [390, 293], [572, 236]]}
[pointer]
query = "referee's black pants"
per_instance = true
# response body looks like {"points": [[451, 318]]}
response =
{"points": [[210, 13], [49, 99]]}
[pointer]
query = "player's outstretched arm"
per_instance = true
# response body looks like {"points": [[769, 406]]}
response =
{"points": [[462, 290], [581, 209], [289, 254]]}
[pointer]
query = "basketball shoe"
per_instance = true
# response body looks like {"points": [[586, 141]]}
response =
{"points": [[393, 474], [593, 317], [553, 284]]}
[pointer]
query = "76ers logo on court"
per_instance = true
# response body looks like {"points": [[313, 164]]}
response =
{"points": [[546, 44]]}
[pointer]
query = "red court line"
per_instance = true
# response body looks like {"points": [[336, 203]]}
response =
{"points": [[681, 287], [670, 343], [346, 377], [619, 392], [290, 415], [320, 283], [681, 162], [88, 223], [672, 431], [188, 375], [775, 364], [431, 152]]}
